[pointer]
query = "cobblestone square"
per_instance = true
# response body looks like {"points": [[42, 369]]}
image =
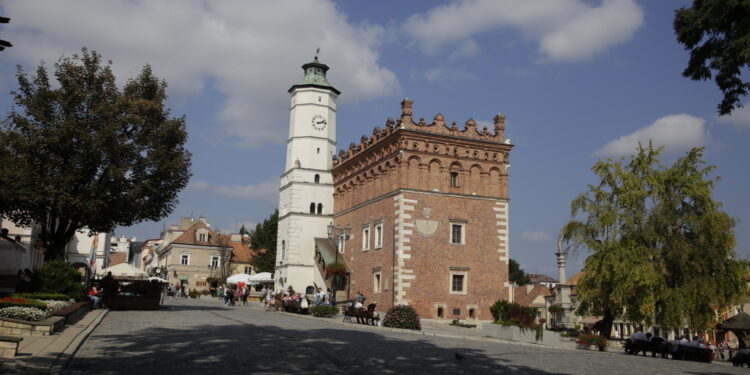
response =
{"points": [[203, 336]]}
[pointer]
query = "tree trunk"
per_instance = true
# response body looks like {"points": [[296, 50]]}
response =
{"points": [[607, 322]]}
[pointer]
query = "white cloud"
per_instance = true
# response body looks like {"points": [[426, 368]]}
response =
{"points": [[676, 132], [244, 50], [566, 30], [266, 190], [536, 236], [740, 117]]}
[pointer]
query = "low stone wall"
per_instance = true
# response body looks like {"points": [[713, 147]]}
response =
{"points": [[15, 327], [512, 333], [9, 346]]}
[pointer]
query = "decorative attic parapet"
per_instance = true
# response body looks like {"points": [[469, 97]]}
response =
{"points": [[438, 126]]}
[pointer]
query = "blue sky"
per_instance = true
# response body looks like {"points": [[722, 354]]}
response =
{"points": [[578, 80]]}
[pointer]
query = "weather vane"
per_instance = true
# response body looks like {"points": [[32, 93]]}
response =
{"points": [[317, 52]]}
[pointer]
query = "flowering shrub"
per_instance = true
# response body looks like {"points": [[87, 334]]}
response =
{"points": [[21, 302], [595, 340], [53, 305], [402, 317], [23, 313], [324, 310]]}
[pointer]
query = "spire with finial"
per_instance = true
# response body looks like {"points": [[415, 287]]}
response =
{"points": [[315, 75]]}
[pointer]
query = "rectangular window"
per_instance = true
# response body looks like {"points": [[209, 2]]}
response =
{"points": [[248, 270], [202, 237], [366, 238], [454, 179], [378, 235], [457, 233], [376, 284], [215, 261], [458, 281], [185, 259]]}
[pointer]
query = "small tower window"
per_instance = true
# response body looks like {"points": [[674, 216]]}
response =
{"points": [[320, 208], [320, 98], [318, 149], [317, 178], [454, 179], [312, 208]]}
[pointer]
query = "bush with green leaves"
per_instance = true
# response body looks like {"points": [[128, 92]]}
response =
{"points": [[24, 313], [402, 317], [511, 313], [43, 296], [58, 276], [324, 310]]}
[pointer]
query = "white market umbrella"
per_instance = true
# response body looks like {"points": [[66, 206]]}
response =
{"points": [[122, 269], [263, 277], [238, 278], [159, 279]]}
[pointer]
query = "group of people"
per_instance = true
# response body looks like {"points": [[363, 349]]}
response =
{"points": [[176, 290], [723, 350], [231, 295]]}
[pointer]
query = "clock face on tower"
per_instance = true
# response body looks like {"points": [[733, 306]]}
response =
{"points": [[319, 122]]}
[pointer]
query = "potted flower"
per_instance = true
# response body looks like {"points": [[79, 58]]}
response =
{"points": [[334, 269], [586, 341]]}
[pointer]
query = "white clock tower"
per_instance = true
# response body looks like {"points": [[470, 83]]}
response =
{"points": [[306, 191]]}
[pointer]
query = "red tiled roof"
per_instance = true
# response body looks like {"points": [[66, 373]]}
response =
{"points": [[541, 279], [188, 237], [573, 280], [526, 299], [241, 252]]}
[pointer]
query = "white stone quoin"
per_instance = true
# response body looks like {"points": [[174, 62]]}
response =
{"points": [[306, 191]]}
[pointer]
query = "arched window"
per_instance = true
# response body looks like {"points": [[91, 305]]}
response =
{"points": [[320, 208], [312, 208], [317, 178]]}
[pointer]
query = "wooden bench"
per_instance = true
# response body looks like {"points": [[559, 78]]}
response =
{"points": [[9, 346], [73, 312]]}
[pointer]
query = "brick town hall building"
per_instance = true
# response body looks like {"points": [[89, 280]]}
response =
{"points": [[417, 212]]}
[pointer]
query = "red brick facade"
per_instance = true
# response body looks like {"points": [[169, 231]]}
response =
{"points": [[418, 181]]}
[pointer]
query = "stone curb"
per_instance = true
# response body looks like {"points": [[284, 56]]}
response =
{"points": [[70, 351], [338, 321]]}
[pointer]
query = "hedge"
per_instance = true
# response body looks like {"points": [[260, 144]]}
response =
{"points": [[44, 296], [26, 303]]}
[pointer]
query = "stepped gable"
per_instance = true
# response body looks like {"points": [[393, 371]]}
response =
{"points": [[437, 126]]}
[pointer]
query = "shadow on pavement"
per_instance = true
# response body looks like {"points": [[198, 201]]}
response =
{"points": [[247, 348]]}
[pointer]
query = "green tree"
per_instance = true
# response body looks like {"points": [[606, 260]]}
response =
{"points": [[516, 274], [660, 248], [263, 241], [717, 34], [82, 153]]}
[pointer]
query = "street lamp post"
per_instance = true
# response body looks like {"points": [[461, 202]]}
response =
{"points": [[341, 234], [211, 268]]}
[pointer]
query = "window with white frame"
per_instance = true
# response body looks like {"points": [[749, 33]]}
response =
{"points": [[366, 238], [458, 282], [379, 235], [215, 260], [185, 259], [248, 270], [377, 281], [458, 233]]}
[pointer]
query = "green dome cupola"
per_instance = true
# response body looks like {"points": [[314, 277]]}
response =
{"points": [[315, 76]]}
